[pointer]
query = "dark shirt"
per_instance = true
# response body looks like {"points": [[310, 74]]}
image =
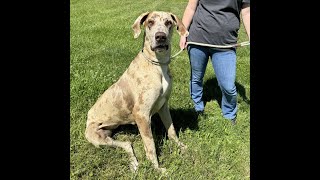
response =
{"points": [[216, 22]]}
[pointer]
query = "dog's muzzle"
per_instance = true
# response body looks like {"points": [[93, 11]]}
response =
{"points": [[161, 42]]}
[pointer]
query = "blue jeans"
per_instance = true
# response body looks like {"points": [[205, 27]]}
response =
{"points": [[224, 65]]}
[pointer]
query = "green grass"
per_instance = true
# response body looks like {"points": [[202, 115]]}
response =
{"points": [[102, 47]]}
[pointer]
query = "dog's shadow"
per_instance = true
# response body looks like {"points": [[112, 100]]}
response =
{"points": [[211, 91], [182, 119]]}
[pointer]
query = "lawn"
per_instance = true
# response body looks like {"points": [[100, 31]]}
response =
{"points": [[102, 47]]}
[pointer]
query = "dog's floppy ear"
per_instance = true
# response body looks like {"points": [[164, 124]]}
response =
{"points": [[136, 25], [180, 27]]}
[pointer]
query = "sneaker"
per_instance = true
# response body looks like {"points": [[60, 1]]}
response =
{"points": [[199, 113], [234, 121]]}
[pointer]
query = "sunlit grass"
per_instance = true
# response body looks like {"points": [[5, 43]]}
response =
{"points": [[102, 47]]}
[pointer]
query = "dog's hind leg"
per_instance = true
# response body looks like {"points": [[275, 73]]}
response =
{"points": [[165, 116], [102, 137]]}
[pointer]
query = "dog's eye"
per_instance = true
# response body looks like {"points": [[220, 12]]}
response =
{"points": [[150, 23], [168, 23]]}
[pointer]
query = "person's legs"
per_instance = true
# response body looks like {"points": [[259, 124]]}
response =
{"points": [[224, 65], [198, 62]]}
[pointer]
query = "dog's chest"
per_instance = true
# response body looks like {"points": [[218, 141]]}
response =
{"points": [[165, 90], [166, 82]]}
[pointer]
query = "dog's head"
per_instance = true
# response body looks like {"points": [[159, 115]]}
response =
{"points": [[158, 29]]}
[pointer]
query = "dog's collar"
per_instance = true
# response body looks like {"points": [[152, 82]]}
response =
{"points": [[153, 61]]}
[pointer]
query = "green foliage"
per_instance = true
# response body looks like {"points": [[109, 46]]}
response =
{"points": [[102, 47]]}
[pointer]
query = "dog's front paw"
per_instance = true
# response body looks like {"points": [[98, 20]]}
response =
{"points": [[162, 170], [134, 165], [183, 147]]}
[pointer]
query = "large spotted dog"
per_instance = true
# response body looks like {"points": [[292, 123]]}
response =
{"points": [[142, 90]]}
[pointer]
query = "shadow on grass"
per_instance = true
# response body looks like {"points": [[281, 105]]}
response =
{"points": [[211, 91], [182, 119]]}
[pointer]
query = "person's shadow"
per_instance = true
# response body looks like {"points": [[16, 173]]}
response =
{"points": [[211, 91]]}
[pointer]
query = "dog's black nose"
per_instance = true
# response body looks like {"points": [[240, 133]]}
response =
{"points": [[161, 37]]}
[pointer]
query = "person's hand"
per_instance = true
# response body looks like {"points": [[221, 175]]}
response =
{"points": [[183, 42]]}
